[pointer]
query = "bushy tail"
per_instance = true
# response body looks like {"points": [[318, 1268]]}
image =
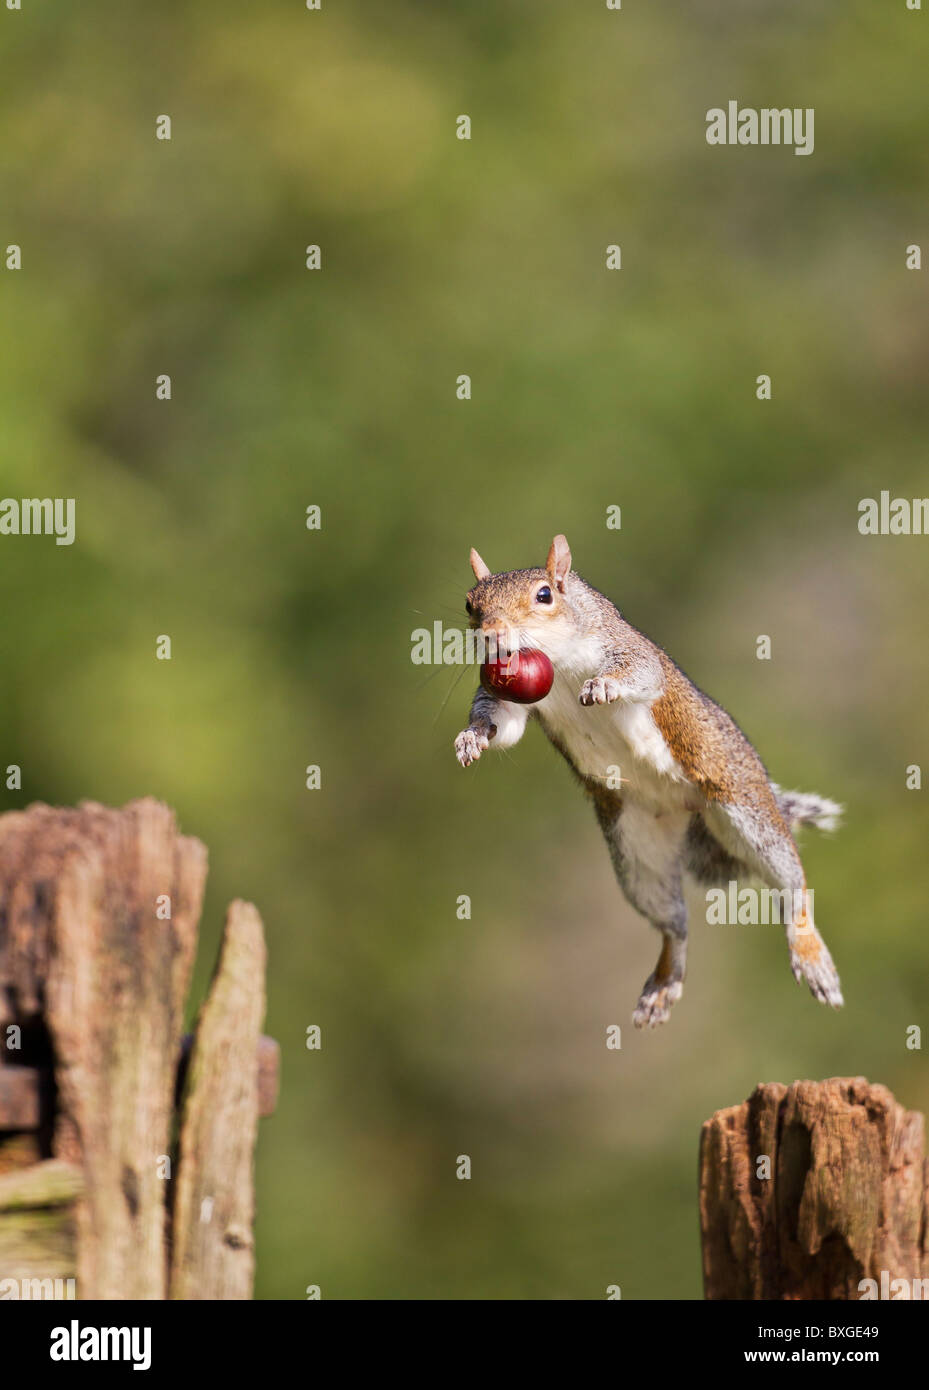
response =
{"points": [[806, 808]]}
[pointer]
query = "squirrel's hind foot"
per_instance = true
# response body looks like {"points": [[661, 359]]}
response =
{"points": [[665, 984], [655, 1002], [811, 962]]}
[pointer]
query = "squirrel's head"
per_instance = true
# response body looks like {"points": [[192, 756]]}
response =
{"points": [[523, 608]]}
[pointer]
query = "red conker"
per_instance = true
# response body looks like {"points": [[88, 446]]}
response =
{"points": [[523, 677]]}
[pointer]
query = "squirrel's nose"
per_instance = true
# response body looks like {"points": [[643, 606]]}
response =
{"points": [[500, 633]]}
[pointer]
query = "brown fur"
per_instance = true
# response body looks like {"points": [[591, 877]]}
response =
{"points": [[663, 968], [806, 941], [708, 744], [507, 599]]}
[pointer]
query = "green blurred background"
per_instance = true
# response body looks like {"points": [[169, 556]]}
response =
{"points": [[292, 647]]}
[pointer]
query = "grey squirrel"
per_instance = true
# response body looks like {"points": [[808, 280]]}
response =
{"points": [[694, 795]]}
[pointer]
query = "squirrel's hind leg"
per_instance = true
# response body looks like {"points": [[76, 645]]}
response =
{"points": [[707, 860], [648, 855], [810, 959], [665, 984], [760, 837]]}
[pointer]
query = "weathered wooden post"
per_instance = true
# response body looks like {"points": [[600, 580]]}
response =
{"points": [[99, 913], [809, 1189]]}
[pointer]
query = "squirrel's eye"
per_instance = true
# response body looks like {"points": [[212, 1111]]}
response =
{"points": [[544, 595], [468, 608]]}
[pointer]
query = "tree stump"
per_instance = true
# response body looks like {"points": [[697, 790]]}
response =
{"points": [[99, 913], [807, 1190]]}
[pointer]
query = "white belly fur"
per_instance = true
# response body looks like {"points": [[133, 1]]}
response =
{"points": [[598, 738]]}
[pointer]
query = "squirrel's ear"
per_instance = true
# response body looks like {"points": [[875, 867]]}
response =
{"points": [[559, 562], [477, 564]]}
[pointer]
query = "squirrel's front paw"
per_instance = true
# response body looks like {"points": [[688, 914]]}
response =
{"points": [[601, 690], [469, 745]]}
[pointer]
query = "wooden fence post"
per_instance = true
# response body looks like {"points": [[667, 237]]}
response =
{"points": [[809, 1189], [99, 914]]}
